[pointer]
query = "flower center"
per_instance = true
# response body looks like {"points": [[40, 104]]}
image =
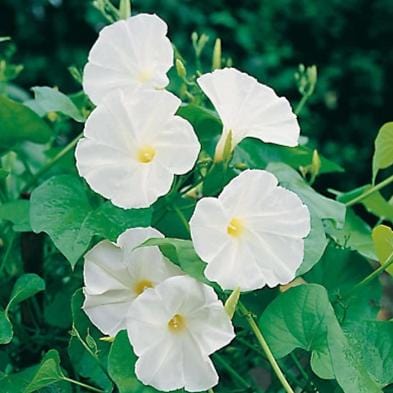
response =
{"points": [[146, 154], [235, 227], [144, 76], [177, 323], [141, 285]]}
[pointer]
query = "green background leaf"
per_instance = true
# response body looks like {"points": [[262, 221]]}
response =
{"points": [[19, 123]]}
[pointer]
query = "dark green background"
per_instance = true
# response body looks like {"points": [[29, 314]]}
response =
{"points": [[350, 41]]}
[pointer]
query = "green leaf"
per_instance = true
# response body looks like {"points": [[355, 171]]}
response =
{"points": [[25, 287], [257, 155], [17, 382], [17, 212], [6, 332], [48, 372], [351, 374], [84, 363], [19, 123], [355, 235], [121, 364], [339, 271], [382, 237], [182, 253], [206, 124], [48, 99], [59, 207], [383, 154], [3, 173], [375, 203], [372, 342], [303, 317], [314, 245], [109, 221], [324, 207]]}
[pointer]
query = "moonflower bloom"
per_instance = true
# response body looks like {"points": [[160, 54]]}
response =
{"points": [[116, 274], [248, 108], [252, 234], [134, 145], [173, 328], [129, 54]]}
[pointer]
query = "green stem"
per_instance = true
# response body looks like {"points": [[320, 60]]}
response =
{"points": [[237, 377], [7, 251], [370, 191], [182, 218], [371, 276], [84, 385], [262, 342], [301, 104], [50, 164]]}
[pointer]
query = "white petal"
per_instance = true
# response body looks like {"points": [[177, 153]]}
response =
{"points": [[104, 269], [235, 266], [116, 130], [129, 54], [249, 108], [161, 366], [270, 247], [169, 360], [278, 256], [108, 311], [147, 321], [247, 191], [198, 371], [208, 228], [177, 146]]}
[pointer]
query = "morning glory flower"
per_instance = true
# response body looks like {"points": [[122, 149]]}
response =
{"points": [[252, 234], [129, 54], [173, 328], [116, 274], [133, 146], [248, 108]]}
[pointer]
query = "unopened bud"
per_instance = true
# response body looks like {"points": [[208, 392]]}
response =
{"points": [[216, 64], [181, 70]]}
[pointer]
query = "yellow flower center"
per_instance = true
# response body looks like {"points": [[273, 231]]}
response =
{"points": [[177, 323], [235, 227], [141, 285], [145, 76], [146, 154]]}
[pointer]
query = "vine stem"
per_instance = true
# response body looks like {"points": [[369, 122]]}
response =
{"points": [[370, 191], [265, 347], [84, 385], [301, 103], [50, 164], [237, 377], [371, 276]]}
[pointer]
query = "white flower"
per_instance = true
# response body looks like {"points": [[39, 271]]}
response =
{"points": [[248, 108], [129, 54], [116, 274], [252, 234], [173, 328], [133, 146]]}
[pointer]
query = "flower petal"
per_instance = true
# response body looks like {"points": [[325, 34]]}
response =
{"points": [[129, 54], [208, 228], [115, 133], [108, 311], [177, 146], [249, 108]]}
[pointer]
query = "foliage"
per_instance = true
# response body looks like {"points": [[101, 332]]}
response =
{"points": [[330, 328]]}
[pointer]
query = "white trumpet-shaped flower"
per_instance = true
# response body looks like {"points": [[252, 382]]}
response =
{"points": [[252, 234], [116, 274], [248, 108], [133, 146], [173, 328], [129, 54]]}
